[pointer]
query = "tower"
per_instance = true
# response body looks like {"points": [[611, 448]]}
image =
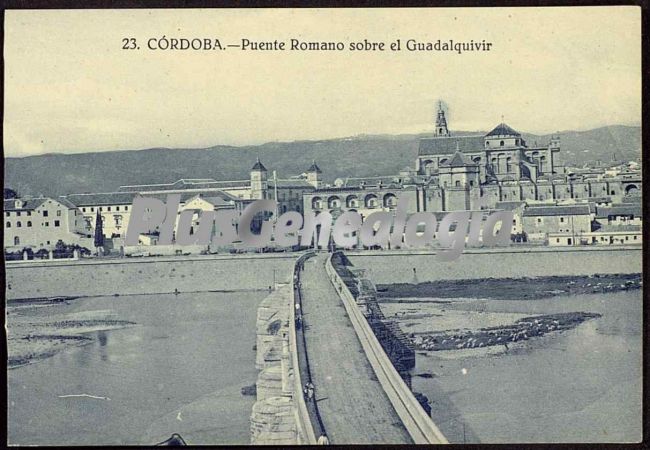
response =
{"points": [[459, 179], [441, 123], [313, 175], [259, 181]]}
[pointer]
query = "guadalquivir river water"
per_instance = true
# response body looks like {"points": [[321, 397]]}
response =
{"points": [[179, 370], [580, 385]]}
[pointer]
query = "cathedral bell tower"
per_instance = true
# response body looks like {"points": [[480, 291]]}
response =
{"points": [[441, 123]]}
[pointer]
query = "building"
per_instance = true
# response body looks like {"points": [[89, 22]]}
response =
{"points": [[502, 154], [619, 214], [114, 209], [40, 223], [508, 170], [572, 220]]}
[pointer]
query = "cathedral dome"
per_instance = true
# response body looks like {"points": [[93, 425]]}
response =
{"points": [[503, 130]]}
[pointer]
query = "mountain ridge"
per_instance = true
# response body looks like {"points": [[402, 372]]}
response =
{"points": [[363, 155]]}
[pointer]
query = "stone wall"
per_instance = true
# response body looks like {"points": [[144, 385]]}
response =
{"points": [[385, 267], [146, 275]]}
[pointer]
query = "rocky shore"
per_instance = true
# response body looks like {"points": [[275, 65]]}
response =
{"points": [[522, 330], [510, 288]]}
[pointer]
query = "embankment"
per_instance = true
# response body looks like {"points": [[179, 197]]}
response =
{"points": [[146, 275], [396, 266]]}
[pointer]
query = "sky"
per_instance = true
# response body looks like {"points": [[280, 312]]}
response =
{"points": [[71, 88]]}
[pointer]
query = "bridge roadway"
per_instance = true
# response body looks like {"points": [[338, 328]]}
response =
{"points": [[353, 406]]}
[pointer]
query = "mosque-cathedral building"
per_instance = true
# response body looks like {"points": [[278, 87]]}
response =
{"points": [[476, 172]]}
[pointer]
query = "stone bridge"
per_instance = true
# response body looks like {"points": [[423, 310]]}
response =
{"points": [[359, 396]]}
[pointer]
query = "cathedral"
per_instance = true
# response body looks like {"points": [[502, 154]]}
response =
{"points": [[474, 172], [500, 155]]}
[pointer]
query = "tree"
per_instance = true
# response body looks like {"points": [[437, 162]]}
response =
{"points": [[9, 194], [99, 231]]}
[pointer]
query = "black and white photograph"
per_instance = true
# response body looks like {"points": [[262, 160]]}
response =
{"points": [[322, 226]]}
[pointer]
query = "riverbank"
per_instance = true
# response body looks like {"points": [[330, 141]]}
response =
{"points": [[511, 288], [584, 369], [32, 336]]}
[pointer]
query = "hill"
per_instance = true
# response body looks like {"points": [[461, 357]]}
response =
{"points": [[58, 174]]}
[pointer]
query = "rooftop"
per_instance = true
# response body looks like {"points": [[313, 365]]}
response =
{"points": [[503, 130], [449, 145], [622, 209], [559, 210], [259, 166], [458, 160], [27, 203], [100, 199]]}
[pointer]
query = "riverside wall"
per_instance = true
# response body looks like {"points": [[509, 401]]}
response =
{"points": [[145, 275], [396, 266]]}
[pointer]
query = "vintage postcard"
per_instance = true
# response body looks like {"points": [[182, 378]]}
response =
{"points": [[323, 226]]}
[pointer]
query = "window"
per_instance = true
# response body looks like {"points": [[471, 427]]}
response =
{"points": [[126, 208], [539, 220], [101, 209], [45, 213], [457, 183], [18, 224], [92, 209], [16, 240], [29, 213], [47, 224], [501, 144], [29, 223], [8, 225], [557, 240], [58, 213], [117, 208], [57, 223], [18, 213], [109, 208], [83, 209], [613, 193], [562, 219]]}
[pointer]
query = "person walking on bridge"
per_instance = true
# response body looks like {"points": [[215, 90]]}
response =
{"points": [[309, 391]]}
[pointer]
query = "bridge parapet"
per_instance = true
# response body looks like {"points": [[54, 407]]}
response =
{"points": [[416, 421]]}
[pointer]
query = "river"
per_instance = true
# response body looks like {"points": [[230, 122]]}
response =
{"points": [[580, 385], [179, 370]]}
